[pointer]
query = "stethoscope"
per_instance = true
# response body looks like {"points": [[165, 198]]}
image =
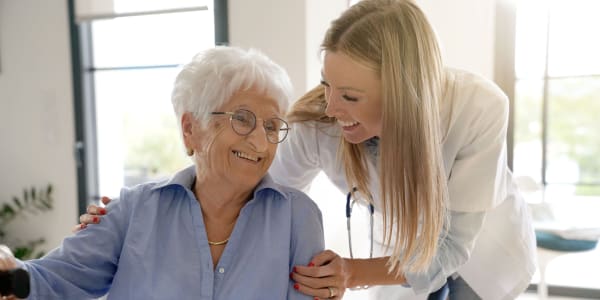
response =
{"points": [[349, 205]]}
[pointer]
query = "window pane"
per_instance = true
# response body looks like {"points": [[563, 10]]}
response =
{"points": [[528, 129], [530, 42], [574, 42], [138, 136], [152, 40], [125, 6], [573, 149]]}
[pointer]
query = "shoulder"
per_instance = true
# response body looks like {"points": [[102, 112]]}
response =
{"points": [[475, 91], [141, 193], [298, 202], [301, 202], [473, 101]]}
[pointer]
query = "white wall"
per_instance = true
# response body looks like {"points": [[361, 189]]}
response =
{"points": [[466, 32], [289, 31], [36, 112]]}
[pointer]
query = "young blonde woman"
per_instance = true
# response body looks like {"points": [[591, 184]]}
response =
{"points": [[426, 146]]}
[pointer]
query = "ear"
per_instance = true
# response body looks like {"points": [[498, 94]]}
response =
{"points": [[187, 130]]}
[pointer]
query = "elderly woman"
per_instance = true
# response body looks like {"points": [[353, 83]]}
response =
{"points": [[221, 229]]}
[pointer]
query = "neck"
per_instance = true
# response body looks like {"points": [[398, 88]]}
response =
{"points": [[220, 201]]}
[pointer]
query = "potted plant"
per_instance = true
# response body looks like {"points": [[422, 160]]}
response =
{"points": [[33, 202]]}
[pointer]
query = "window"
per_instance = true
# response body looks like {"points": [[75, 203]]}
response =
{"points": [[556, 125], [558, 81], [130, 53]]}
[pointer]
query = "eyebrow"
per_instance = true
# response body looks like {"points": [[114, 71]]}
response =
{"points": [[343, 87], [275, 114]]}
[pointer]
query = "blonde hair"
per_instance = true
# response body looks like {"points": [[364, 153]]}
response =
{"points": [[394, 38]]}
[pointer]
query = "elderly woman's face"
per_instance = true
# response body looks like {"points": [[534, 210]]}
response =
{"points": [[234, 159]]}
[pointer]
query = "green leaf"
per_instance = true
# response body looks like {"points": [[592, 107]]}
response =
{"points": [[17, 202], [45, 205], [32, 192], [8, 210], [21, 252]]}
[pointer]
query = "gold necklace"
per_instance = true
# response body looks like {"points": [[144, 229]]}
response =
{"points": [[218, 243]]}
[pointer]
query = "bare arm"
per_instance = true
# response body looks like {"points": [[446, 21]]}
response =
{"points": [[327, 269]]}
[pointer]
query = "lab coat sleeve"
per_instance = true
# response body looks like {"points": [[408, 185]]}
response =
{"points": [[84, 265], [307, 236], [478, 174], [296, 162], [454, 251]]}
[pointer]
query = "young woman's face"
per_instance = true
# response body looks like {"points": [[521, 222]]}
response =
{"points": [[353, 94]]}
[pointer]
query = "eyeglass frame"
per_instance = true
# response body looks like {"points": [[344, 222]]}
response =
{"points": [[232, 113], [349, 205]]}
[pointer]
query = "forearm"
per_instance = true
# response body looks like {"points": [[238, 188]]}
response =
{"points": [[373, 271]]}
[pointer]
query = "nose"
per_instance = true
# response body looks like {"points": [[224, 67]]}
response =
{"points": [[258, 137], [332, 105]]}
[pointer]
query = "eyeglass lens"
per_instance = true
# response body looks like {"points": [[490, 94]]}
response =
{"points": [[244, 121]]}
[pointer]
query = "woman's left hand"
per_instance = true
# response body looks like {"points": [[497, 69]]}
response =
{"points": [[7, 262], [327, 276]]}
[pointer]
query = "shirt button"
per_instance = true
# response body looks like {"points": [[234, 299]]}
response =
{"points": [[221, 270]]}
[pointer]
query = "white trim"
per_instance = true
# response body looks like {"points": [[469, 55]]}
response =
{"points": [[94, 17]]}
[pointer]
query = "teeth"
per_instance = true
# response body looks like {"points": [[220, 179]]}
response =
{"points": [[346, 124], [246, 156]]}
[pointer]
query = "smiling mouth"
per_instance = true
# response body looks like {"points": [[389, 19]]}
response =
{"points": [[348, 125], [247, 156]]}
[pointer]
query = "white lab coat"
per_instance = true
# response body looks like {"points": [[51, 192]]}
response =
{"points": [[497, 259]]}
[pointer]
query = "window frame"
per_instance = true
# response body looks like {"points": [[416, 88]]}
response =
{"points": [[85, 147], [505, 76]]}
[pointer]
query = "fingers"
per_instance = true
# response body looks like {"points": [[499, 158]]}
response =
{"points": [[324, 258], [319, 266], [79, 227], [96, 210], [321, 293], [105, 200], [324, 277], [314, 282], [92, 215], [89, 219]]}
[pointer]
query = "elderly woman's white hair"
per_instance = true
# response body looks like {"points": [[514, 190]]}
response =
{"points": [[214, 75]]}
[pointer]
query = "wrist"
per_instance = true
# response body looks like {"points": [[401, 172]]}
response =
{"points": [[354, 279]]}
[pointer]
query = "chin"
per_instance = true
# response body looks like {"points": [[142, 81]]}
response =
{"points": [[354, 139]]}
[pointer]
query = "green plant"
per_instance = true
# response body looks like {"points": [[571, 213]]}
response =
{"points": [[33, 202]]}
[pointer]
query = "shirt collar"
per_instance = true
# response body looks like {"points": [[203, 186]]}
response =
{"points": [[185, 178]]}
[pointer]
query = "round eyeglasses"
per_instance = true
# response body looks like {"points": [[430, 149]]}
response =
{"points": [[243, 122]]}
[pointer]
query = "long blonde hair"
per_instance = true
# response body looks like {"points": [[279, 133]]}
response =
{"points": [[395, 39]]}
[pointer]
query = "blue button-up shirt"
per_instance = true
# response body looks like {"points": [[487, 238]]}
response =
{"points": [[152, 244]]}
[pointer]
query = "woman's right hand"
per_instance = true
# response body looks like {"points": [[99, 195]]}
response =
{"points": [[92, 216]]}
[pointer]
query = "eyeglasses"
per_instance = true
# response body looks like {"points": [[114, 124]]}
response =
{"points": [[243, 122], [349, 205]]}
